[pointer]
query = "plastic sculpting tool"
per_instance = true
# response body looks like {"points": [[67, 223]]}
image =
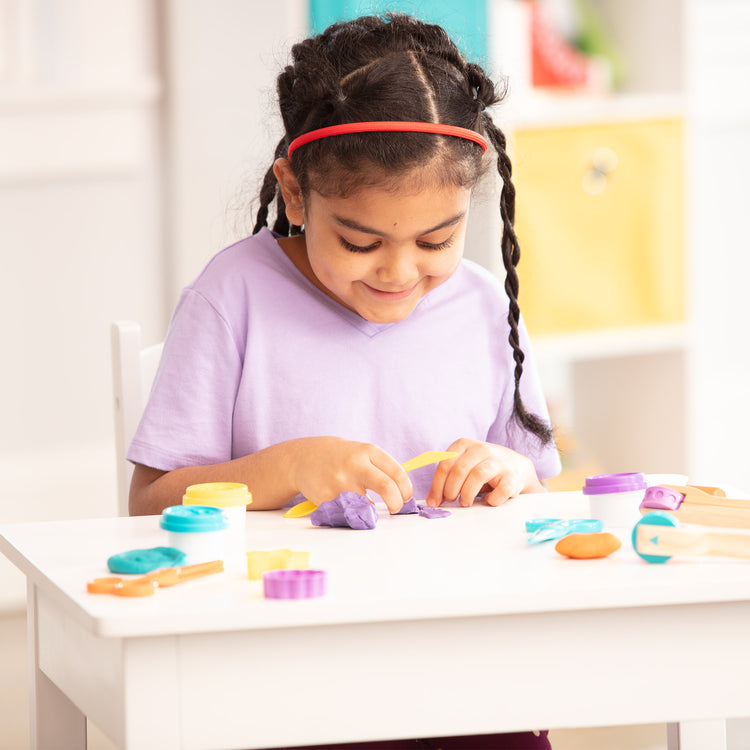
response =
{"points": [[659, 536], [146, 585], [306, 507], [548, 529], [426, 458], [706, 506]]}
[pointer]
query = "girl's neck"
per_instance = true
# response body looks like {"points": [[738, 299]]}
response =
{"points": [[296, 250]]}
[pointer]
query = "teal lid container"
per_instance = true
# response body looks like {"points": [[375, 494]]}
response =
{"points": [[191, 519]]}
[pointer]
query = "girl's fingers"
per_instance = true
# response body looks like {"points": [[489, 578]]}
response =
{"points": [[352, 466], [478, 465], [384, 486], [436, 493], [448, 479], [469, 466], [506, 487], [501, 494], [485, 472], [390, 481]]}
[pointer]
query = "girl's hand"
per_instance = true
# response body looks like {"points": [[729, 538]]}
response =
{"points": [[321, 468], [503, 473]]}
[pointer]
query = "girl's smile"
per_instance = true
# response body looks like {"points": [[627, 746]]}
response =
{"points": [[392, 295], [379, 252]]}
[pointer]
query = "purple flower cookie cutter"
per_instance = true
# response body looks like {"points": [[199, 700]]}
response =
{"points": [[294, 584]]}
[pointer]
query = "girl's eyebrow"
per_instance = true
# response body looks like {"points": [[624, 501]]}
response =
{"points": [[357, 227]]}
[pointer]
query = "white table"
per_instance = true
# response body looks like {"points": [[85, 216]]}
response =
{"points": [[430, 627]]}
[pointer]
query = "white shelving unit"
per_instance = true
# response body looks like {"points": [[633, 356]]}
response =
{"points": [[663, 398]]}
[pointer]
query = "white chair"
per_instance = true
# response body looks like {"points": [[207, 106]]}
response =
{"points": [[133, 371]]}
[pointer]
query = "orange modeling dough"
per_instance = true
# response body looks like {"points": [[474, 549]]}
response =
{"points": [[584, 546]]}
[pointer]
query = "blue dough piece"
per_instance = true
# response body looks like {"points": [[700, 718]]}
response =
{"points": [[145, 560], [349, 510]]}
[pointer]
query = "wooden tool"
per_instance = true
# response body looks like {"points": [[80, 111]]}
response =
{"points": [[707, 506], [659, 536]]}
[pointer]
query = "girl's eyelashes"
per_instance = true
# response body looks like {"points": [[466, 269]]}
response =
{"points": [[367, 248], [437, 245], [357, 248]]}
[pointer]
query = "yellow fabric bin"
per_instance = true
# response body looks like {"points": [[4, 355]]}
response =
{"points": [[599, 215]]}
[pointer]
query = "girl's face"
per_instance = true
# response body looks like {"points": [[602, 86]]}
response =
{"points": [[379, 252]]}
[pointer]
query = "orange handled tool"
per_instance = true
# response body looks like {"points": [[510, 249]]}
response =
{"points": [[146, 585]]}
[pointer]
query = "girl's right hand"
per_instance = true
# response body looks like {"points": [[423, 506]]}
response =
{"points": [[321, 468]]}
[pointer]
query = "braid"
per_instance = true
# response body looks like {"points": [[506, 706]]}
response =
{"points": [[511, 253], [268, 192]]}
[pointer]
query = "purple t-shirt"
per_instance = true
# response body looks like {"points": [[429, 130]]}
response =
{"points": [[256, 355]]}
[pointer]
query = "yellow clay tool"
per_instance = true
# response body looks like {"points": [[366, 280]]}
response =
{"points": [[423, 459], [428, 457], [305, 508]]}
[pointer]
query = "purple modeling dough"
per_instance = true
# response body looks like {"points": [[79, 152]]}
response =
{"points": [[428, 512], [348, 509], [356, 512], [411, 506]]}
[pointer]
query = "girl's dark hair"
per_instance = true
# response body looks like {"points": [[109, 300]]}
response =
{"points": [[393, 68]]}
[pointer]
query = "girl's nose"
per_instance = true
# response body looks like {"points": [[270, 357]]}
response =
{"points": [[398, 268]]}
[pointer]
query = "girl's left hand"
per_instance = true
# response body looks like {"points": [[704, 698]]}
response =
{"points": [[499, 471]]}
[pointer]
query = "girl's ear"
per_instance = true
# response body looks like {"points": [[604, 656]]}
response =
{"points": [[290, 191]]}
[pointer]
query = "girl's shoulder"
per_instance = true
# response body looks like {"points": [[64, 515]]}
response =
{"points": [[253, 263], [480, 274], [481, 285], [240, 260]]}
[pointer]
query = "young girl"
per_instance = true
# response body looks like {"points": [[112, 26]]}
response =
{"points": [[315, 358]]}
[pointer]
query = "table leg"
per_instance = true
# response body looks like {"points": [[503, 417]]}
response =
{"points": [[697, 735], [56, 723]]}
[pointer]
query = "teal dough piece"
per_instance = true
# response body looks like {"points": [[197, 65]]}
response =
{"points": [[145, 560]]}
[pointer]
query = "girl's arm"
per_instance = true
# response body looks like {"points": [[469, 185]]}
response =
{"points": [[483, 467], [320, 468]]}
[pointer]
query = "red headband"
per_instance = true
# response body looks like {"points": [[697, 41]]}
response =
{"points": [[386, 126]]}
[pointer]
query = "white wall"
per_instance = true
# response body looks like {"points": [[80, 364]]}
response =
{"points": [[221, 120], [125, 134]]}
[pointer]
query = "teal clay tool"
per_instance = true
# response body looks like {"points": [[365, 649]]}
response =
{"points": [[548, 529]]}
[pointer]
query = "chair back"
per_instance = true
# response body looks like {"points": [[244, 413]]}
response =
{"points": [[133, 371]]}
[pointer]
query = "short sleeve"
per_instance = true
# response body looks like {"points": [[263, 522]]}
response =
{"points": [[188, 417]]}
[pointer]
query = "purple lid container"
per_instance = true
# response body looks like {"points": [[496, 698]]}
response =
{"points": [[604, 484]]}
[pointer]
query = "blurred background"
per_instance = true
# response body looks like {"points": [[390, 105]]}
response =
{"points": [[134, 135]]}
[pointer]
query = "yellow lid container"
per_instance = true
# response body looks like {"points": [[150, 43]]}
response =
{"points": [[218, 494]]}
